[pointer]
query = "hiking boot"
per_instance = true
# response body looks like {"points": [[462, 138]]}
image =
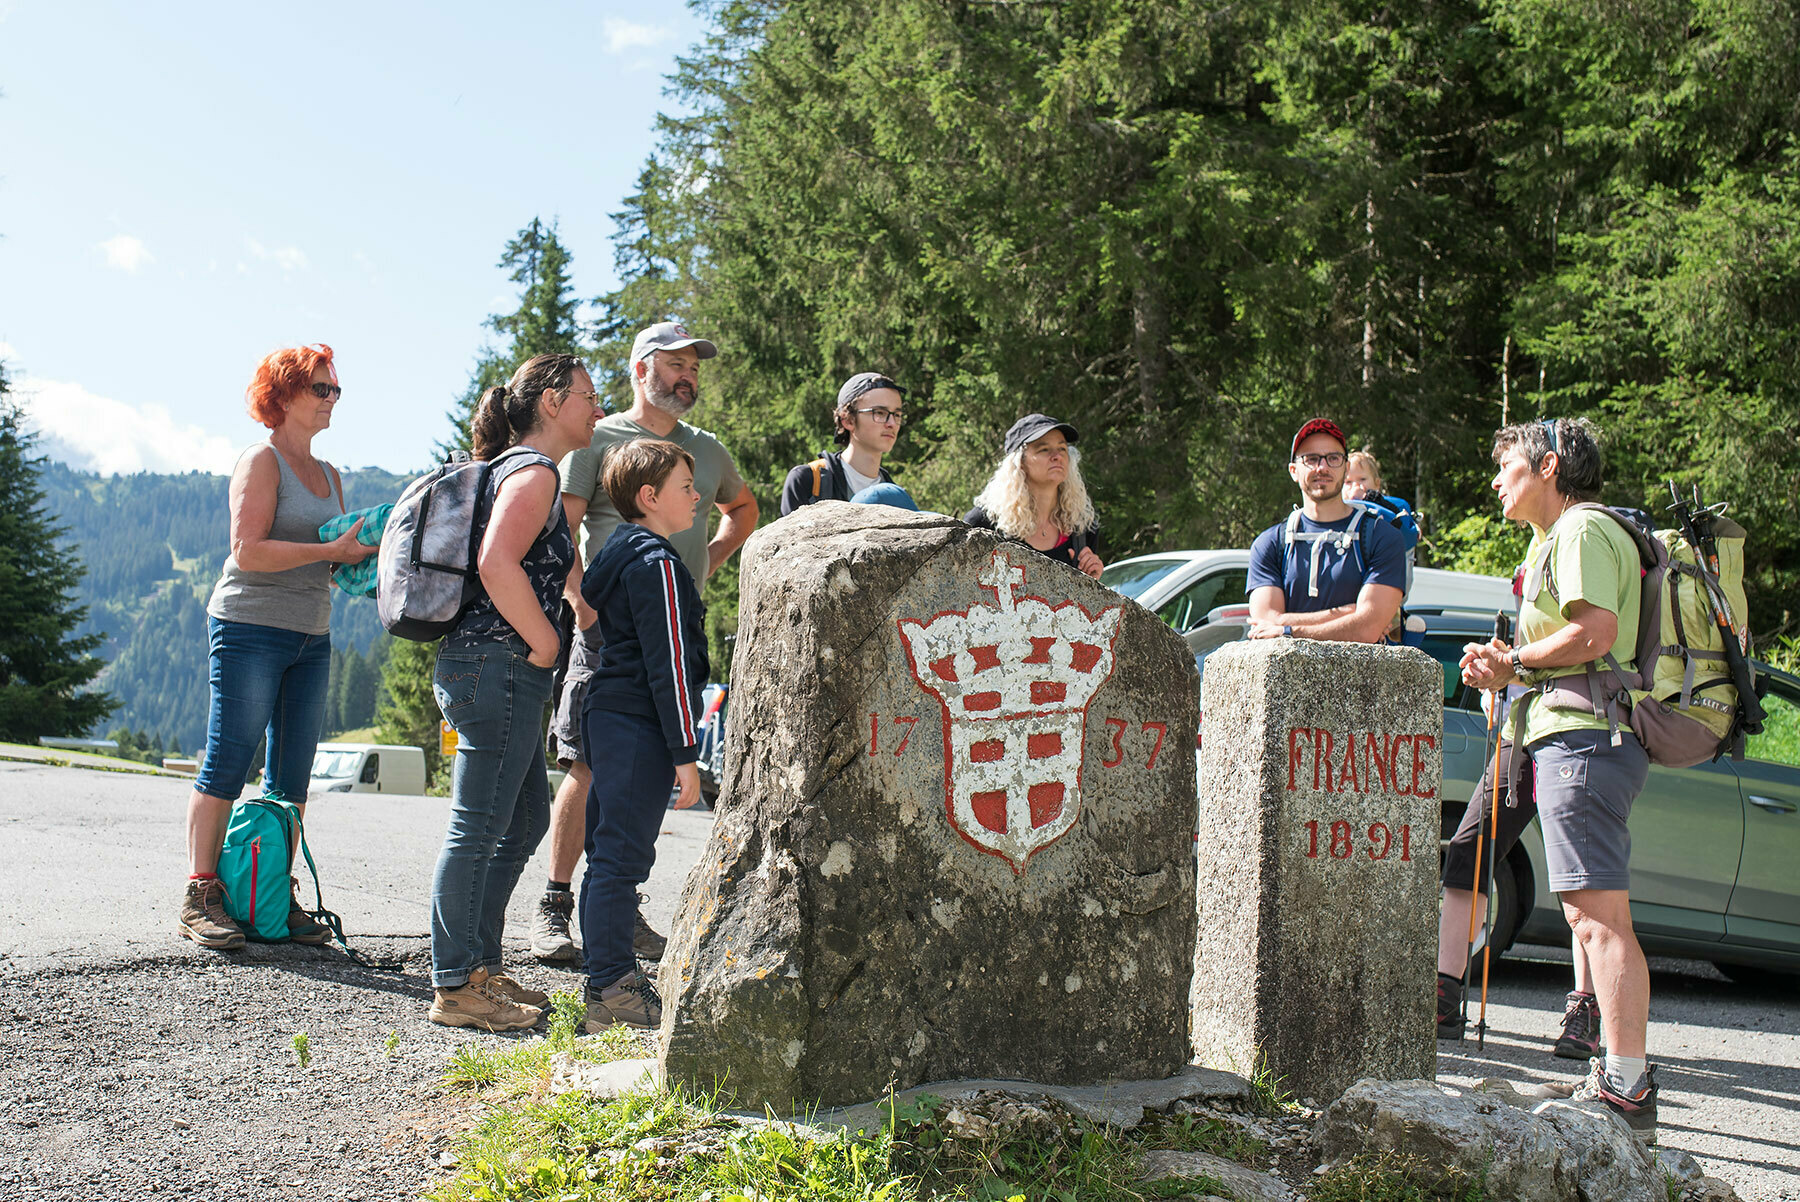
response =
{"points": [[302, 927], [1638, 1110], [203, 917], [550, 938], [631, 1000], [646, 944], [476, 1003], [1580, 1038], [512, 991], [1449, 1016]]}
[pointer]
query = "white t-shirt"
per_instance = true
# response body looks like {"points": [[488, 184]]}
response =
{"points": [[855, 479]]}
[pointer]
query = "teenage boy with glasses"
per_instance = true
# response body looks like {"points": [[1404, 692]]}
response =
{"points": [[1328, 571], [867, 421]]}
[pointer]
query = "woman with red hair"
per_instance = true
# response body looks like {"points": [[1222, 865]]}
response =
{"points": [[268, 627]]}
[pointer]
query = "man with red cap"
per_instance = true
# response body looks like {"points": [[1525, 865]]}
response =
{"points": [[1328, 571]]}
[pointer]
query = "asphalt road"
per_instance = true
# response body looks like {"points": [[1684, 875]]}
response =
{"points": [[94, 870]]}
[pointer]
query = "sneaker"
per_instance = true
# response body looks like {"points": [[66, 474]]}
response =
{"points": [[631, 1000], [1449, 999], [646, 944], [476, 1003], [1638, 1110], [1580, 1038], [302, 927], [203, 917], [550, 938], [512, 991]]}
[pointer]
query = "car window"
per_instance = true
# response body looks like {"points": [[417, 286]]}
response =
{"points": [[1131, 579], [1186, 609], [1447, 649], [1779, 742]]}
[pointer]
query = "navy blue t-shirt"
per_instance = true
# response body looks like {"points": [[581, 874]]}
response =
{"points": [[1377, 556]]}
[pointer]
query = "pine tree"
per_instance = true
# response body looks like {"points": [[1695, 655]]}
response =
{"points": [[545, 322], [44, 665]]}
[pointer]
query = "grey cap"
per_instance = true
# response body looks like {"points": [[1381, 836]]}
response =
{"points": [[668, 336], [1033, 426], [864, 382]]}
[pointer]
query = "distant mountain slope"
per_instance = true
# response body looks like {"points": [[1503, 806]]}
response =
{"points": [[153, 546]]}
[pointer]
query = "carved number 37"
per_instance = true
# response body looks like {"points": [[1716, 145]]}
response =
{"points": [[1119, 726]]}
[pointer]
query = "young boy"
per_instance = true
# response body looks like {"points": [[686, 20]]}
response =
{"points": [[642, 715]]}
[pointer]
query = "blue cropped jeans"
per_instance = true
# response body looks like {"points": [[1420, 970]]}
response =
{"points": [[499, 802], [264, 680]]}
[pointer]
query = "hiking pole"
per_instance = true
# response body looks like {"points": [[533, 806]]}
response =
{"points": [[1500, 632], [1504, 634]]}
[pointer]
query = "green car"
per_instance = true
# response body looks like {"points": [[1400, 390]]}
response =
{"points": [[1714, 848]]}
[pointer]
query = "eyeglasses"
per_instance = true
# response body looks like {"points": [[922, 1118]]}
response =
{"points": [[590, 396], [1046, 450], [1549, 424], [1329, 459], [327, 391], [884, 416]]}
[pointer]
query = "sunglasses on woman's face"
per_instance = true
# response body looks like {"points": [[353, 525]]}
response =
{"points": [[327, 391]]}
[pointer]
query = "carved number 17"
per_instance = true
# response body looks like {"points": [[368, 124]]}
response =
{"points": [[875, 732]]}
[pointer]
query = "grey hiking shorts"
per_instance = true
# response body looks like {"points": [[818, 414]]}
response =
{"points": [[571, 693], [1584, 788]]}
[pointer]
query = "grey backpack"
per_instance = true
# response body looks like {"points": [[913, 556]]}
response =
{"points": [[426, 574]]}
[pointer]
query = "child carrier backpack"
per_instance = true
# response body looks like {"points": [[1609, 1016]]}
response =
{"points": [[427, 574], [255, 866], [1692, 696]]}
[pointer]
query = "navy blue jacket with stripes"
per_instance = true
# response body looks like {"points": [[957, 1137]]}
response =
{"points": [[653, 662]]}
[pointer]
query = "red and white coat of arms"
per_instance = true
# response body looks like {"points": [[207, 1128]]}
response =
{"points": [[1015, 680]]}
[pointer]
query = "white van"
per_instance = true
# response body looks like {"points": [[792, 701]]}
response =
{"points": [[368, 768]]}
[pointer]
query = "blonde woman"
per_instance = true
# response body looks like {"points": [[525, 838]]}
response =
{"points": [[1037, 497]]}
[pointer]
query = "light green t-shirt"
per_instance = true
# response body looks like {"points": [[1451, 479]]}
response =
{"points": [[1589, 558], [716, 479]]}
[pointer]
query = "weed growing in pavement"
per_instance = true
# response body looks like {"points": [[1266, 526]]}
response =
{"points": [[1195, 1133], [1392, 1177], [302, 1048], [392, 1044], [523, 1069]]}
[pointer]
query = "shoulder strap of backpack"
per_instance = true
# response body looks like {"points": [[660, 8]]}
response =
{"points": [[320, 913], [818, 471]]}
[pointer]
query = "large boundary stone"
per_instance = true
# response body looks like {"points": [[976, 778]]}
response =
{"points": [[955, 835], [1318, 879]]}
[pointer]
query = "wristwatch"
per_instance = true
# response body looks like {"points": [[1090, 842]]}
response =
{"points": [[1287, 632], [1518, 666]]}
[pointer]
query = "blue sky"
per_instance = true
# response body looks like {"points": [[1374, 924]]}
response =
{"points": [[185, 187]]}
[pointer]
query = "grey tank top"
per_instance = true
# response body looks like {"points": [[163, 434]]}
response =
{"points": [[298, 599]]}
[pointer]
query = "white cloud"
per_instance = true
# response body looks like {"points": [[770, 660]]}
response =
{"points": [[629, 35], [125, 252], [99, 434], [288, 258]]}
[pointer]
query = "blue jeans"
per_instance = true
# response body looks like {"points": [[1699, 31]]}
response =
{"points": [[499, 800], [625, 807], [264, 680]]}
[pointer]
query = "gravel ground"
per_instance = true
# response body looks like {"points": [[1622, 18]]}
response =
{"points": [[178, 1076]]}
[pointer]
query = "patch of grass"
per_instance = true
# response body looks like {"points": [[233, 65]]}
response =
{"points": [[1392, 1177], [1268, 1090], [1195, 1133], [302, 1048], [522, 1069]]}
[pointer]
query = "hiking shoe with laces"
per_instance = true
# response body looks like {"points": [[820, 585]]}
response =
{"points": [[646, 944], [631, 1000], [512, 991], [550, 938], [476, 1003], [1638, 1110], [203, 917], [1580, 1038], [303, 927], [1449, 1016]]}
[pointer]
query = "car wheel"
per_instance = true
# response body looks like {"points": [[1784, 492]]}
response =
{"points": [[1508, 916], [1757, 977]]}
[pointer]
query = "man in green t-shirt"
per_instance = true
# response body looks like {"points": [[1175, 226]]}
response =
{"points": [[1579, 597], [665, 384]]}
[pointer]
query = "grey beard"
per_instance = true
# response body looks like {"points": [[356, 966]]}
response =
{"points": [[667, 399]]}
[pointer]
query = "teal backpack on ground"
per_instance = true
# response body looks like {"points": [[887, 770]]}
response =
{"points": [[255, 865]]}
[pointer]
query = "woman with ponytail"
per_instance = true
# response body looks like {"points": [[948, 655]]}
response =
{"points": [[493, 681]]}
